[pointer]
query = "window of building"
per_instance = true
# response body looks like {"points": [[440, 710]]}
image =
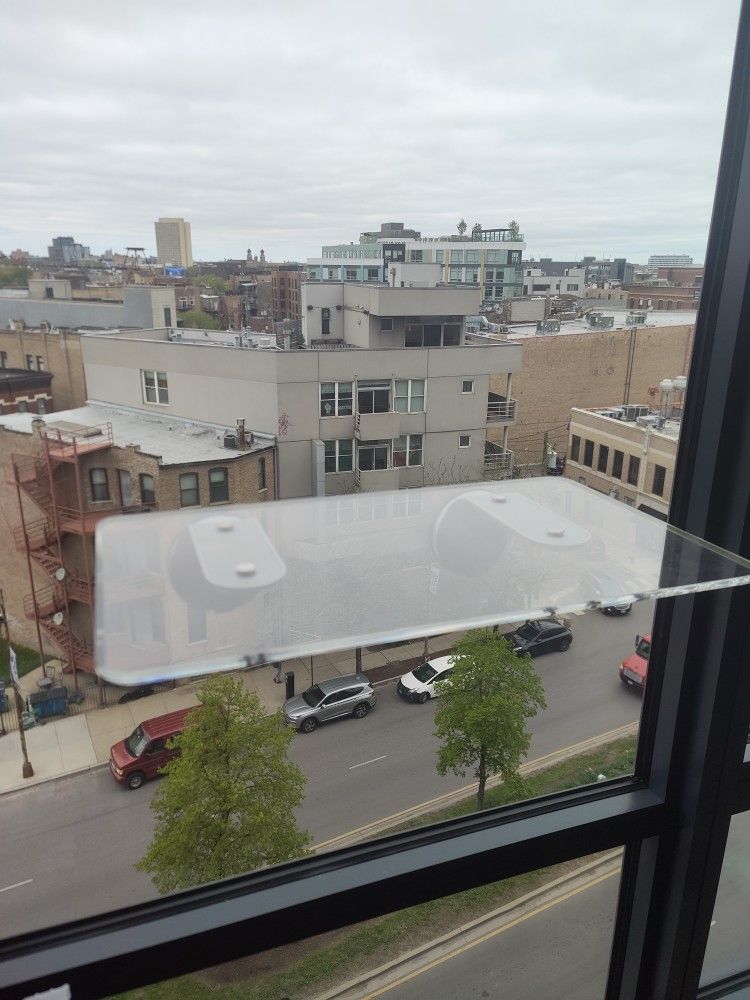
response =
{"points": [[147, 488], [409, 395], [3, 359], [49, 292], [416, 256], [660, 474], [464, 440], [407, 450], [325, 321], [472, 257], [601, 465], [467, 385], [575, 447], [332, 273], [39, 363], [218, 485], [457, 256], [588, 453], [41, 405], [335, 399], [617, 461], [261, 474], [373, 274], [634, 466], [99, 482], [489, 276], [339, 455], [386, 324], [372, 455], [374, 395], [451, 335], [440, 256], [126, 487], [496, 256], [351, 274], [30, 362], [23, 406], [189, 494], [155, 389], [514, 256], [454, 274], [167, 316]]}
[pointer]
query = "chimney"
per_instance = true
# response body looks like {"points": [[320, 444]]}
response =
{"points": [[240, 433]]}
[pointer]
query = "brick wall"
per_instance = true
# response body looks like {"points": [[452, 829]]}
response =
{"points": [[61, 352], [594, 369]]}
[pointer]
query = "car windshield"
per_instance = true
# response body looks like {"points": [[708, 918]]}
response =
{"points": [[313, 696], [643, 648], [425, 672], [137, 742], [529, 631]]}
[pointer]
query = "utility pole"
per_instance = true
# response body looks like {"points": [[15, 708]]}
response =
{"points": [[545, 449], [27, 770]]}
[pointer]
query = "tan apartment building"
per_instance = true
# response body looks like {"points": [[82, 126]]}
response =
{"points": [[387, 394], [628, 452], [57, 352], [174, 244], [285, 289], [64, 473]]}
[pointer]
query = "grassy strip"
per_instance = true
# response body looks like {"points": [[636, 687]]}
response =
{"points": [[364, 946], [27, 659]]}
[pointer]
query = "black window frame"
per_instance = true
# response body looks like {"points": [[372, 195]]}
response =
{"points": [[575, 447], [96, 488], [148, 495], [588, 453], [673, 814], [659, 479], [634, 470], [222, 494], [617, 463], [602, 459], [262, 481]]}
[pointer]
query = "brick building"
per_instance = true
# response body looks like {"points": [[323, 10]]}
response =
{"points": [[285, 289], [595, 369], [57, 352], [663, 297], [23, 391], [65, 474]]}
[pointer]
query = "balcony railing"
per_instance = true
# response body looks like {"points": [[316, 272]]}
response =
{"points": [[377, 479], [500, 409], [498, 461], [66, 444], [49, 599], [377, 426]]}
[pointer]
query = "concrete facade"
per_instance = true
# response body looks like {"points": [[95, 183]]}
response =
{"points": [[595, 369], [174, 244], [141, 306]]}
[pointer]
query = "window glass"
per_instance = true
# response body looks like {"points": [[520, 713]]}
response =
{"points": [[726, 951], [467, 385], [464, 440], [261, 473], [147, 488], [189, 496], [432, 335], [658, 483], [218, 485], [634, 465], [601, 464], [439, 256], [588, 453], [451, 335], [413, 335], [457, 256], [99, 484], [575, 447], [386, 324]]}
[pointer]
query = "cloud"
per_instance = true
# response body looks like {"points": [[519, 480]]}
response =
{"points": [[288, 125]]}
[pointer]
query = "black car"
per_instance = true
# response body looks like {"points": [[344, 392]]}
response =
{"points": [[542, 636]]}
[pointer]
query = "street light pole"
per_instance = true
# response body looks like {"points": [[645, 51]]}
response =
{"points": [[27, 770]]}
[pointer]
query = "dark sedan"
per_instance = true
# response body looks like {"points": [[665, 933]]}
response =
{"points": [[542, 636]]}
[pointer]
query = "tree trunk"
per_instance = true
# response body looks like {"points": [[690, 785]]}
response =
{"points": [[482, 775]]}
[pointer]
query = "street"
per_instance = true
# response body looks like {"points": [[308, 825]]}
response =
{"points": [[69, 846]]}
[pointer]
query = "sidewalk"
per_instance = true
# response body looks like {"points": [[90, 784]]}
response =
{"points": [[81, 742]]}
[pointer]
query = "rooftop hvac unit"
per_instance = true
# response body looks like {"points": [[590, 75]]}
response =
{"points": [[650, 420], [230, 439], [633, 412], [615, 413]]}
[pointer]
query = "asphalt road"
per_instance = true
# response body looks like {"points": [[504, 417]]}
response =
{"points": [[68, 846], [562, 951]]}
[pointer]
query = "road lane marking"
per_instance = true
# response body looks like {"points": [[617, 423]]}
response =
{"points": [[373, 761], [490, 934], [467, 790], [16, 885]]}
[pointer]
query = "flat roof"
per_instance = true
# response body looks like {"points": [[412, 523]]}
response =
{"points": [[170, 439], [678, 317]]}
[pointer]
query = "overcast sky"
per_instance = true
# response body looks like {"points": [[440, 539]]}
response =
{"points": [[286, 125]]}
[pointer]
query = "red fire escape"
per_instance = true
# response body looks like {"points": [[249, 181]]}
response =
{"points": [[42, 539]]}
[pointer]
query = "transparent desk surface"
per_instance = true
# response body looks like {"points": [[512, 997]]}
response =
{"points": [[209, 589]]}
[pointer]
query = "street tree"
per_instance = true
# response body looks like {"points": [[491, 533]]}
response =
{"points": [[461, 227], [197, 319], [226, 805], [483, 710]]}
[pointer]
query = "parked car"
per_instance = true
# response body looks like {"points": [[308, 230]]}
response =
{"points": [[545, 635], [634, 668], [603, 585], [353, 695], [419, 684], [145, 752], [616, 608]]}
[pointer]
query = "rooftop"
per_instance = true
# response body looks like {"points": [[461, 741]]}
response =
{"points": [[679, 317], [642, 416], [171, 440]]}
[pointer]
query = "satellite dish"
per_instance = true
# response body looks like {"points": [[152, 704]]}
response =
{"points": [[60, 573], [58, 618]]}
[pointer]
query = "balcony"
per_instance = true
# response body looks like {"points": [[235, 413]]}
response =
{"points": [[377, 426], [48, 600], [498, 461], [500, 409], [369, 480], [79, 522], [66, 442]]}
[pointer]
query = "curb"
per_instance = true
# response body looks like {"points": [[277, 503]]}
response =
{"points": [[52, 777], [473, 928]]}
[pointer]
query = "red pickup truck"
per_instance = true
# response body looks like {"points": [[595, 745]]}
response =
{"points": [[634, 668]]}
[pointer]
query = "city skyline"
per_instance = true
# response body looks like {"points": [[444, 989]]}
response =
{"points": [[423, 119]]}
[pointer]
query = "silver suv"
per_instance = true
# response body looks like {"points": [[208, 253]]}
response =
{"points": [[352, 695]]}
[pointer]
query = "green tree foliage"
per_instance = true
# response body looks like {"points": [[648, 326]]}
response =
{"points": [[476, 231], [14, 276], [481, 718], [513, 229], [227, 803], [196, 319], [212, 281], [461, 227]]}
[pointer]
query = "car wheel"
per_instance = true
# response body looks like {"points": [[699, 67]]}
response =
{"points": [[564, 644], [309, 725], [424, 696], [136, 779], [361, 710]]}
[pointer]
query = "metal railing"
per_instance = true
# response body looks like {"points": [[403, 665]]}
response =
{"points": [[500, 407], [497, 458], [49, 599]]}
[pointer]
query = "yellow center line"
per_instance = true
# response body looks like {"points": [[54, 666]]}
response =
{"points": [[490, 934], [466, 790]]}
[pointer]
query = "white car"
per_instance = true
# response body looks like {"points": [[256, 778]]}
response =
{"points": [[419, 684]]}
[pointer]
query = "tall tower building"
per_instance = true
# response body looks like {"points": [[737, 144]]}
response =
{"points": [[173, 242]]}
